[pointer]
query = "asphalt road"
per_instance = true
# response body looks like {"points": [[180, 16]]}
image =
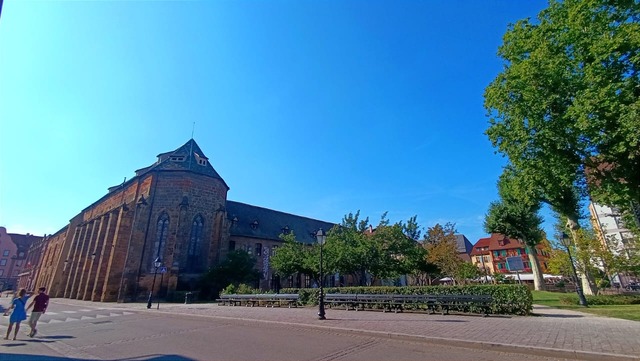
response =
{"points": [[68, 332]]}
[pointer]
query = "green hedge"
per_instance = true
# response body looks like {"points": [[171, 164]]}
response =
{"points": [[601, 300], [507, 299]]}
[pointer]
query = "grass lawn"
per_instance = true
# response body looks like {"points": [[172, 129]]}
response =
{"points": [[552, 299]]}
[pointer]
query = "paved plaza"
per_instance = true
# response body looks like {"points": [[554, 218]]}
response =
{"points": [[551, 332]]}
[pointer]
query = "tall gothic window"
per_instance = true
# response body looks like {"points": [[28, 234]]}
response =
{"points": [[162, 232], [195, 245]]}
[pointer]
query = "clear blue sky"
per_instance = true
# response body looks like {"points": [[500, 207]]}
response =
{"points": [[316, 108]]}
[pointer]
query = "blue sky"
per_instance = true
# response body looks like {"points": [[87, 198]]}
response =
{"points": [[316, 108]]}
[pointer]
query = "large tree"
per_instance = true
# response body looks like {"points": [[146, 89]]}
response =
{"points": [[570, 92], [567, 102]]}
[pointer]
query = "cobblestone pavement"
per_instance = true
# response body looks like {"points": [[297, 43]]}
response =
{"points": [[550, 332]]}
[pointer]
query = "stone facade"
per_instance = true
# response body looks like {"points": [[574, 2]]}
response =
{"points": [[174, 211]]}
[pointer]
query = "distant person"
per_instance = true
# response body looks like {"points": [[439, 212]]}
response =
{"points": [[39, 304], [19, 313]]}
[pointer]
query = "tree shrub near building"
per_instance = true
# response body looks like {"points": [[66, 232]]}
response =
{"points": [[238, 268]]}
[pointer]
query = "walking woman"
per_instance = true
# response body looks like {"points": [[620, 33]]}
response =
{"points": [[19, 313]]}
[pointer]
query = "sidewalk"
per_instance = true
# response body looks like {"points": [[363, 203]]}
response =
{"points": [[552, 332]]}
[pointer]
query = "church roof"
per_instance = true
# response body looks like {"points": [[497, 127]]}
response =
{"points": [[188, 157], [257, 222], [464, 246]]}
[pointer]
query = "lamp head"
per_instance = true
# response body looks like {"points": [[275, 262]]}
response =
{"points": [[321, 236]]}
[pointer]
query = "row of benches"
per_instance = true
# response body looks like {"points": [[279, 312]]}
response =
{"points": [[267, 300], [398, 303], [360, 301]]}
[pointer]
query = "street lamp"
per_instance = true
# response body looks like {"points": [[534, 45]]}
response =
{"points": [[565, 243], [157, 263], [161, 282], [321, 237]]}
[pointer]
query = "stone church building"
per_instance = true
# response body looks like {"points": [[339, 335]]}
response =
{"points": [[176, 211]]}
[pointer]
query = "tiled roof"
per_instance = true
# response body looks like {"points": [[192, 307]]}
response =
{"points": [[253, 221], [464, 246], [23, 241], [482, 243], [190, 154], [499, 241]]}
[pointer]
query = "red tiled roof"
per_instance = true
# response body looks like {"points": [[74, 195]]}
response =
{"points": [[496, 242], [500, 241], [482, 243]]}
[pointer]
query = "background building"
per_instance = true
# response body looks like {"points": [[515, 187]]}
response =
{"points": [[614, 236], [490, 254], [175, 211], [13, 254]]}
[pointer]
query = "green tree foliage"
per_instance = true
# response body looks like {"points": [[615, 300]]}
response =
{"points": [[566, 107], [559, 263], [238, 268], [569, 96], [517, 217], [294, 257], [467, 272], [367, 253], [442, 249], [354, 248]]}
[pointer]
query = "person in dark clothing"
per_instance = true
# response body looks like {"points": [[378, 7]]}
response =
{"points": [[39, 303]]}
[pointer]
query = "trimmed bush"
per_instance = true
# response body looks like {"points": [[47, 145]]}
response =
{"points": [[241, 289], [601, 300], [507, 299]]}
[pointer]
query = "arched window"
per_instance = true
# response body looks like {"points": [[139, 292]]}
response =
{"points": [[194, 249], [162, 232]]}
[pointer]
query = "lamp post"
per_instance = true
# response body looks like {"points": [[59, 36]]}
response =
{"points": [[157, 264], [160, 286], [565, 243], [321, 237]]}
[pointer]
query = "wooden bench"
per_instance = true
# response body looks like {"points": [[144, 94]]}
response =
{"points": [[363, 301], [341, 299], [266, 299]]}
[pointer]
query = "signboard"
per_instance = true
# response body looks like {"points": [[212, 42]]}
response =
{"points": [[515, 263], [163, 269]]}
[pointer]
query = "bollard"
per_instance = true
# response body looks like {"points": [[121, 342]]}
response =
{"points": [[188, 298]]}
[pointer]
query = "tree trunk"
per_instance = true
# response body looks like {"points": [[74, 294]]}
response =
{"points": [[588, 285], [538, 277]]}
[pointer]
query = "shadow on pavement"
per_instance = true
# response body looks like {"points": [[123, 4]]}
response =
{"points": [[56, 337], [558, 315], [22, 357]]}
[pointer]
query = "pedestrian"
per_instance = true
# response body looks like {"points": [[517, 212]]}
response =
{"points": [[39, 304], [18, 314]]}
